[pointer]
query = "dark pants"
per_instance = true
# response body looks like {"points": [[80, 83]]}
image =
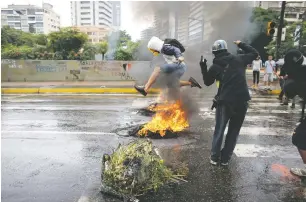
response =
{"points": [[234, 114], [255, 77]]}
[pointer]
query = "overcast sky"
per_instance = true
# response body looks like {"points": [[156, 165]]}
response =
{"points": [[62, 7]]}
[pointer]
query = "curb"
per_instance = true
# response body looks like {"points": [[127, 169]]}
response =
{"points": [[275, 92], [73, 90]]}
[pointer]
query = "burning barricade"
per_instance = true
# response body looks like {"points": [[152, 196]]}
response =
{"points": [[134, 169], [168, 120]]}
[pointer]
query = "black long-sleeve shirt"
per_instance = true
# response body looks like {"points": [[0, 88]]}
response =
{"points": [[234, 85]]}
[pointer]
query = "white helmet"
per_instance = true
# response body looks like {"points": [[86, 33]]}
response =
{"points": [[155, 44], [219, 45]]}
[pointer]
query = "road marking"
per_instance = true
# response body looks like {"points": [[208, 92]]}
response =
{"points": [[57, 132], [265, 111], [268, 151]]}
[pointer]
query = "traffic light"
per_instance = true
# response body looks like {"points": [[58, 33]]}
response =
{"points": [[271, 28]]}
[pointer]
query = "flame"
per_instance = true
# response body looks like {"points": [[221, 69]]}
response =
{"points": [[168, 117]]}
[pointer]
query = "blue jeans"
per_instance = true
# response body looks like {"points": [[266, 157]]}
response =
{"points": [[234, 114], [177, 69]]}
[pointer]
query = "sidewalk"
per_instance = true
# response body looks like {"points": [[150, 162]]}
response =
{"points": [[79, 87], [115, 87]]}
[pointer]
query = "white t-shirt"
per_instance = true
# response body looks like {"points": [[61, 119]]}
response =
{"points": [[256, 64]]}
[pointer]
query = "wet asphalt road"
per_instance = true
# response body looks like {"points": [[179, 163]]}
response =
{"points": [[52, 148]]}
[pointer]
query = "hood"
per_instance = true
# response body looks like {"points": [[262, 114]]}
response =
{"points": [[155, 44], [223, 58]]}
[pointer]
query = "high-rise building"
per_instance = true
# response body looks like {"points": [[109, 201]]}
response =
{"points": [[293, 12], [31, 18], [94, 13], [147, 34], [116, 14]]}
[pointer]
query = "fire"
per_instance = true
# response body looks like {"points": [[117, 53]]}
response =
{"points": [[168, 117]]}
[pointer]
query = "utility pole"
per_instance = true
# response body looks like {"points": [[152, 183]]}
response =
{"points": [[279, 29]]}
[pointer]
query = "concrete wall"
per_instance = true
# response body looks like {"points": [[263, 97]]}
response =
{"points": [[72, 70]]}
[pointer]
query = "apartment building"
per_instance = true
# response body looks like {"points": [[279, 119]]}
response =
{"points": [[31, 18], [91, 13], [147, 34], [95, 34], [293, 12], [116, 15]]}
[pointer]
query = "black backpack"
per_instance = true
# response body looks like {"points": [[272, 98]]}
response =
{"points": [[175, 43]]}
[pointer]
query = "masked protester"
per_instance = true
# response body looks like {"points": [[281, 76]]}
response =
{"points": [[231, 101], [295, 67], [174, 64]]}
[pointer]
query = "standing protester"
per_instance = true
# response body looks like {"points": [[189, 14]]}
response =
{"points": [[269, 70], [295, 67], [283, 76], [232, 98], [174, 64], [256, 65]]}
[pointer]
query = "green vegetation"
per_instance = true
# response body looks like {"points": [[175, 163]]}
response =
{"points": [[66, 44], [135, 168]]}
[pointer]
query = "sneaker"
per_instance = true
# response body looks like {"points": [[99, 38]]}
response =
{"points": [[301, 172], [213, 162], [224, 163], [194, 83], [141, 90]]}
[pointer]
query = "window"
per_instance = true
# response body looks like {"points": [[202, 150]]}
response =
{"points": [[3, 22], [89, 33], [10, 18], [85, 13], [39, 17], [39, 24], [85, 2], [85, 18], [17, 18], [85, 23], [290, 15], [87, 7], [31, 18], [7, 11]]}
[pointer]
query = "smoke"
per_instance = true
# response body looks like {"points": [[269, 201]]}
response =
{"points": [[225, 20]]}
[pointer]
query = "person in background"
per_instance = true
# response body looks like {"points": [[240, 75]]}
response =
{"points": [[269, 71], [283, 76], [256, 66]]}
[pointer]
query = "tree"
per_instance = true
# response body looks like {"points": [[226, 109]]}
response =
{"points": [[67, 40], [289, 41], [257, 33], [88, 52], [41, 39], [102, 48], [16, 37]]}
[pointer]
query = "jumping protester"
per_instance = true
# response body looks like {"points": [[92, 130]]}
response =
{"points": [[174, 63]]}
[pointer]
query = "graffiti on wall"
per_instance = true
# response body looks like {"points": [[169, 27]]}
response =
{"points": [[11, 64], [116, 69], [55, 66]]}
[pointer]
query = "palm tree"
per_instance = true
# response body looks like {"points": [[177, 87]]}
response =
{"points": [[103, 48]]}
